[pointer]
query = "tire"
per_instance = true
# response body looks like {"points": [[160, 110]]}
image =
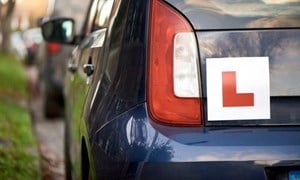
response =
{"points": [[85, 164], [68, 166], [53, 103]]}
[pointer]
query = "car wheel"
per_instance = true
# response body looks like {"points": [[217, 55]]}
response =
{"points": [[85, 164], [53, 105]]}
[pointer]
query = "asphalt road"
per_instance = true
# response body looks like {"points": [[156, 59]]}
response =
{"points": [[49, 132]]}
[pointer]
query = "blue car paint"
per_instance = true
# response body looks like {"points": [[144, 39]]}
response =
{"points": [[134, 140]]}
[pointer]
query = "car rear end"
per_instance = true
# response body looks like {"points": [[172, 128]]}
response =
{"points": [[223, 89]]}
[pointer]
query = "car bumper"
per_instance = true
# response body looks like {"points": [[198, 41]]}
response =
{"points": [[133, 145]]}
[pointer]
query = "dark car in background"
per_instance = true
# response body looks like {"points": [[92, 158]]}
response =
{"points": [[53, 61], [173, 89]]}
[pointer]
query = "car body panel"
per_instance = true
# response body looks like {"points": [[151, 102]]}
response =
{"points": [[77, 89], [106, 85], [133, 141], [119, 88]]}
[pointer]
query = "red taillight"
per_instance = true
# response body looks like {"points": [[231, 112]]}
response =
{"points": [[53, 48], [164, 105]]}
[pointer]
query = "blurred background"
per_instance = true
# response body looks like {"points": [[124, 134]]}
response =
{"points": [[21, 15], [31, 87]]}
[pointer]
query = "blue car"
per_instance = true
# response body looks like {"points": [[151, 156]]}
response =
{"points": [[183, 89]]}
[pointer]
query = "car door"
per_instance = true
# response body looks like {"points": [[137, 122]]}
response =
{"points": [[80, 82]]}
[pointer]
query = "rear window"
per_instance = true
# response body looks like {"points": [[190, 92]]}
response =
{"points": [[251, 8], [281, 47], [240, 14]]}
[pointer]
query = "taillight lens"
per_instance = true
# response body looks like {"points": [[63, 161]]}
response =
{"points": [[53, 48], [173, 75], [185, 66]]}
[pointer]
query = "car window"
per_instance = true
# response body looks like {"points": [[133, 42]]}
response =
{"points": [[88, 26], [240, 14], [103, 14], [251, 8]]}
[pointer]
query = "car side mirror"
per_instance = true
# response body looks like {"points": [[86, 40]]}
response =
{"points": [[61, 30]]}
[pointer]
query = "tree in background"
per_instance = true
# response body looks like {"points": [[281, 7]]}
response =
{"points": [[6, 12]]}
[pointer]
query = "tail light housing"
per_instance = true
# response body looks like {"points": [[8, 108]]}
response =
{"points": [[53, 48], [173, 74]]}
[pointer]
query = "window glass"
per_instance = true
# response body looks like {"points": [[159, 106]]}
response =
{"points": [[103, 14], [251, 8], [240, 14], [90, 17]]}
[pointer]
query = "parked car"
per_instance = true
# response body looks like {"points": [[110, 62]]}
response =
{"points": [[174, 89], [33, 39], [18, 46], [52, 66]]}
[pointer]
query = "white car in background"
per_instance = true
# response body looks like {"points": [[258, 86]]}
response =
{"points": [[32, 39], [18, 46]]}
